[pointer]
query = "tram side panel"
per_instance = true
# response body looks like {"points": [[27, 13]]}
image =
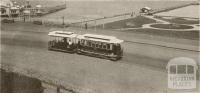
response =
{"points": [[99, 49]]}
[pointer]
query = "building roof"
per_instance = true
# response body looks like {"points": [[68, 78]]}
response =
{"points": [[148, 8], [62, 34], [14, 8], [38, 6], [100, 38]]}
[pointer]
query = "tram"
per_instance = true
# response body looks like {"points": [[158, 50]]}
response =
{"points": [[87, 44], [62, 41], [100, 46]]}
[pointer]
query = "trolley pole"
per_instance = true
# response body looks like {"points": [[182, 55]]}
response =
{"points": [[63, 18], [95, 26]]}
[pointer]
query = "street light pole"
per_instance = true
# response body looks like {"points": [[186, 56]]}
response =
{"points": [[95, 25], [63, 18]]}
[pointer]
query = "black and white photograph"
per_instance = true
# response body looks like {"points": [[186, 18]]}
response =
{"points": [[100, 46]]}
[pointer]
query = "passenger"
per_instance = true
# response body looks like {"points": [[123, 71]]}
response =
{"points": [[114, 49], [70, 43], [78, 45], [86, 26], [132, 14], [65, 40]]}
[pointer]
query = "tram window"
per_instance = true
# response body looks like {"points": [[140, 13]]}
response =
{"points": [[118, 47], [100, 46], [190, 69], [104, 46], [93, 44], [57, 39], [173, 69], [97, 45], [85, 42], [181, 69], [64, 39], [82, 42], [60, 39], [90, 44], [108, 46]]}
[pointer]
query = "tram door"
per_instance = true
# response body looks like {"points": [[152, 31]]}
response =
{"points": [[182, 73]]}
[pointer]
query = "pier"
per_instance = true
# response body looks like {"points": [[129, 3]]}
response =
{"points": [[172, 8], [53, 9]]}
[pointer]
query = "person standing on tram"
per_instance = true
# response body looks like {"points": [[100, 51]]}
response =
{"points": [[65, 42], [79, 45], [70, 43], [114, 49]]}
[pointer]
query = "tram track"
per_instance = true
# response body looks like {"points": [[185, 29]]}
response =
{"points": [[44, 34], [31, 41], [39, 40], [161, 46], [29, 50]]}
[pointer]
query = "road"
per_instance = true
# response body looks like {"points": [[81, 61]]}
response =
{"points": [[134, 73]]}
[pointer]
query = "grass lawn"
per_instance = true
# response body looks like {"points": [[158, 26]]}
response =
{"points": [[21, 26], [171, 26], [179, 20], [194, 34], [127, 23]]}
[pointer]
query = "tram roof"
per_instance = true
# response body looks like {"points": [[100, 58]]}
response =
{"points": [[62, 34], [100, 38]]}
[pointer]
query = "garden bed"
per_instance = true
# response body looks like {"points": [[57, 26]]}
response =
{"points": [[171, 26], [128, 23]]}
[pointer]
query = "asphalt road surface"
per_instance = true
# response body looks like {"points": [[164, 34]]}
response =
{"points": [[134, 73]]}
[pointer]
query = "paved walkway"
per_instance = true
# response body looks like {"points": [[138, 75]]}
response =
{"points": [[157, 20], [105, 20]]}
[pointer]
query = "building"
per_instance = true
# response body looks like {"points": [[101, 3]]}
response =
{"points": [[8, 9], [146, 10], [12, 9]]}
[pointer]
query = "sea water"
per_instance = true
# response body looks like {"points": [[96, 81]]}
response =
{"points": [[87, 10]]}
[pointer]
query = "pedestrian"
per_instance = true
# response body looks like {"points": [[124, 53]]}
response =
{"points": [[132, 14], [24, 18], [86, 26]]}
